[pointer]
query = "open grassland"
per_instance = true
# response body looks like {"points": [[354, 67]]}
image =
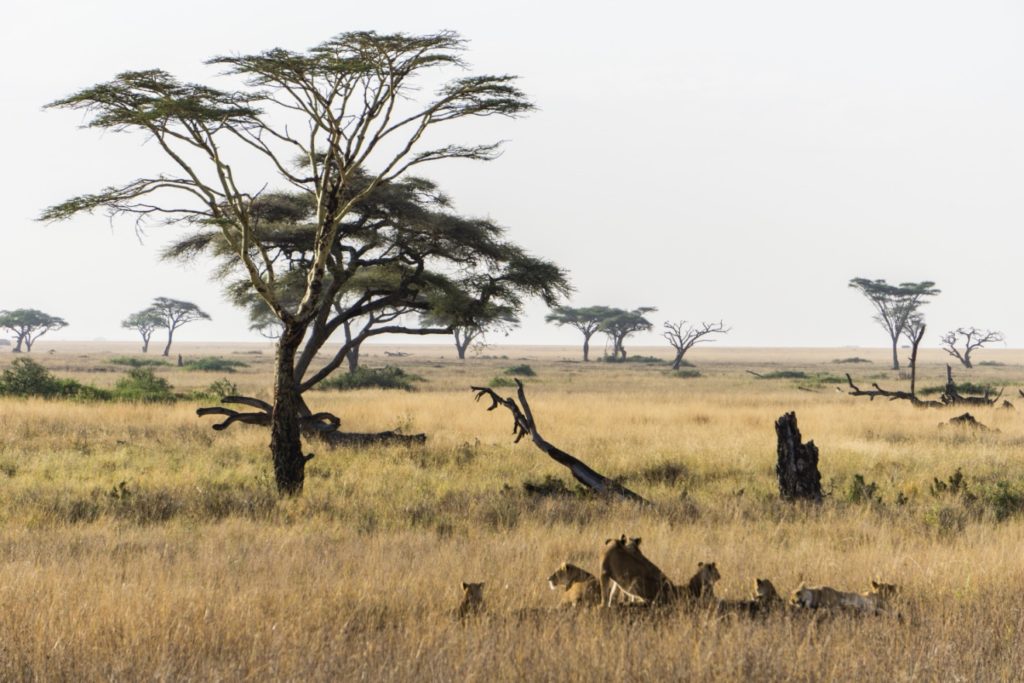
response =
{"points": [[137, 543]]}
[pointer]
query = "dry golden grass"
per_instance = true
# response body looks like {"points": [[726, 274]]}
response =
{"points": [[192, 569]]}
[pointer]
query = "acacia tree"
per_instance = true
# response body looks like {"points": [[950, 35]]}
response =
{"points": [[144, 322], [620, 324], [28, 325], [466, 330], [895, 305], [586, 319], [320, 120], [683, 336], [972, 339], [173, 313]]}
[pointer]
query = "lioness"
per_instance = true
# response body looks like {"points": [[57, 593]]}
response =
{"points": [[873, 601], [472, 599], [624, 568], [580, 587]]}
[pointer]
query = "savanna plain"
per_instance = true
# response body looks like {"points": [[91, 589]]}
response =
{"points": [[136, 543]]}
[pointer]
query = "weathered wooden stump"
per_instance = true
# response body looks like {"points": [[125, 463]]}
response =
{"points": [[797, 465]]}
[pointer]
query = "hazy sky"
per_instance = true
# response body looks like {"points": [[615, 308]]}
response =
{"points": [[734, 160]]}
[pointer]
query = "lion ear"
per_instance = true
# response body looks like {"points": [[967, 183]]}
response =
{"points": [[874, 584], [700, 564], [465, 585]]}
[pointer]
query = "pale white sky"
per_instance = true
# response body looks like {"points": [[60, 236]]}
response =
{"points": [[728, 159]]}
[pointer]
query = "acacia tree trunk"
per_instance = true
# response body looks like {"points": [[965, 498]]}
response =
{"points": [[28, 344], [353, 359], [678, 360], [895, 354], [586, 348], [170, 338], [285, 435], [145, 343]]}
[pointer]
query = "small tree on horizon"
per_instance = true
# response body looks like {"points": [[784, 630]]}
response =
{"points": [[684, 336], [173, 313], [145, 323], [895, 305], [972, 339], [620, 324], [491, 318], [586, 319], [28, 325]]}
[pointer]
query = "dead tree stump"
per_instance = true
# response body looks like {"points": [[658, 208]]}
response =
{"points": [[797, 466]]}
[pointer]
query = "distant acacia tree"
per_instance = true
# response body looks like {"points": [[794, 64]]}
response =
{"points": [[467, 330], [684, 336], [174, 313], [28, 325], [144, 322], [620, 324], [586, 319], [972, 339], [895, 305]]}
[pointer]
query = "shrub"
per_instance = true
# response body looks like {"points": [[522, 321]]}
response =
{"points": [[992, 363], [523, 370], [215, 364], [862, 491], [499, 382], [26, 377], [141, 384], [784, 374], [135, 362], [853, 359], [963, 388], [635, 359], [685, 373], [387, 377]]}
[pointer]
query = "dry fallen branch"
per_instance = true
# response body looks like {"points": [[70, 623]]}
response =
{"points": [[523, 425], [324, 426]]}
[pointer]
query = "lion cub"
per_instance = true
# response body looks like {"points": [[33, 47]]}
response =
{"points": [[580, 587], [472, 600], [765, 600]]}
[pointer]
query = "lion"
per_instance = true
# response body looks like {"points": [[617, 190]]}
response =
{"points": [[765, 600], [701, 585], [580, 587], [818, 597], [472, 600], [625, 568]]}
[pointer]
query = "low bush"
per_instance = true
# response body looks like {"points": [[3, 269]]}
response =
{"points": [[784, 374], [141, 384], [387, 377], [499, 382], [961, 387], [215, 364], [25, 377], [136, 362], [685, 373], [522, 370]]}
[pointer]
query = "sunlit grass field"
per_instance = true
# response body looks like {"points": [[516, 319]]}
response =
{"points": [[137, 543]]}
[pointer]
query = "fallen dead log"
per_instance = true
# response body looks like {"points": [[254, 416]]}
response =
{"points": [[523, 424], [797, 464], [323, 426], [951, 396], [891, 395]]}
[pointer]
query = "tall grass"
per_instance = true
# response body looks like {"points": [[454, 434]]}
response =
{"points": [[137, 543]]}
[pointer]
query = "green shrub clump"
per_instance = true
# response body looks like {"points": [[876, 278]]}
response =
{"points": [[522, 370], [387, 377], [134, 362], [27, 378], [215, 364], [141, 384]]}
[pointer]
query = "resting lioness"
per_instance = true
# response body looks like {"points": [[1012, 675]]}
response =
{"points": [[818, 597], [472, 599], [580, 587], [624, 568]]}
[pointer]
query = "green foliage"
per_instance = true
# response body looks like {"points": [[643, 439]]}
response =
{"points": [[784, 374], [387, 377], [862, 491], [27, 378], [215, 364], [521, 370], [135, 362], [685, 373], [141, 384], [500, 382], [643, 360], [851, 360], [963, 387], [992, 363]]}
